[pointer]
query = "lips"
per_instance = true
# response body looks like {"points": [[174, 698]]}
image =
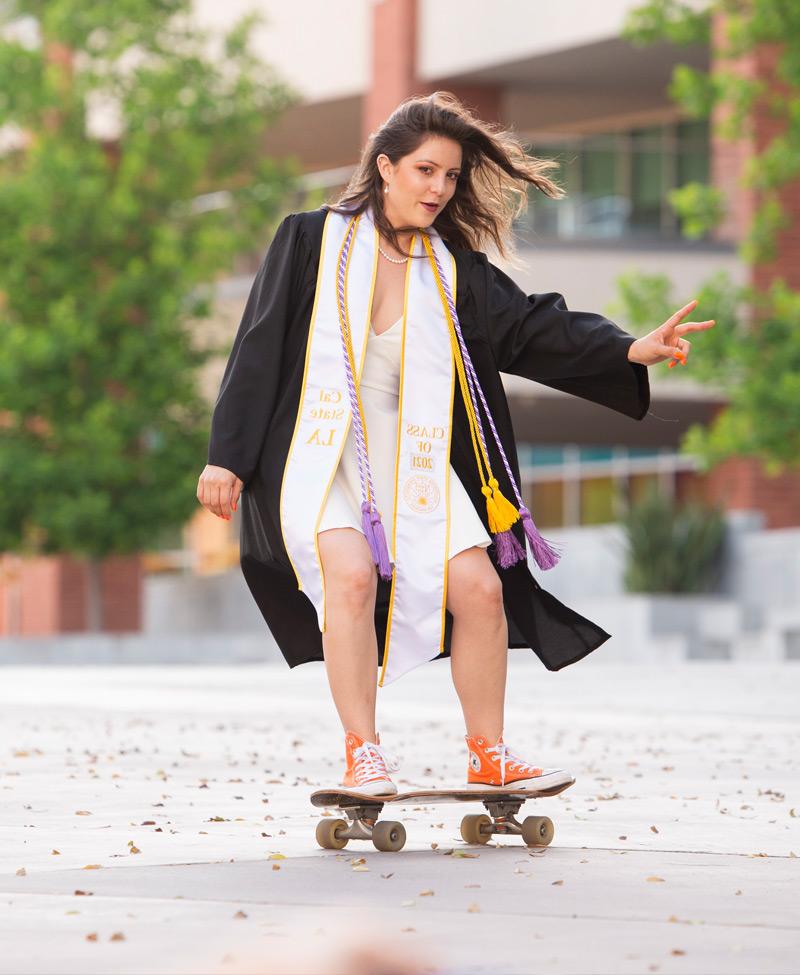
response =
{"points": [[431, 207]]}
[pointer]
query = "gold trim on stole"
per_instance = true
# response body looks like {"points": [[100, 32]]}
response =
{"points": [[411, 250], [329, 216]]}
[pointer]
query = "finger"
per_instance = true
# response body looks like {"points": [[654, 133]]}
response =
{"points": [[225, 493], [681, 313], [201, 487], [237, 490], [680, 352], [695, 326], [215, 505]]}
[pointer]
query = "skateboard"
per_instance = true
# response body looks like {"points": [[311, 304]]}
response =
{"points": [[363, 812]]}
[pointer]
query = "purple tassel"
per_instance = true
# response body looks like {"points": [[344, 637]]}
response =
{"points": [[544, 552], [507, 549], [376, 538]]}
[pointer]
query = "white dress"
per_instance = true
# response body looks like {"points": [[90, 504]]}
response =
{"points": [[380, 390]]}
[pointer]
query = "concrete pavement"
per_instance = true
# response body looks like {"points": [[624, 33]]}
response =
{"points": [[175, 799]]}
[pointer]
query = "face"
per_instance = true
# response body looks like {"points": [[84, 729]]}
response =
{"points": [[427, 175]]}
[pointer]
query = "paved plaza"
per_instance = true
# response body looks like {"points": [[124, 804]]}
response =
{"points": [[156, 819]]}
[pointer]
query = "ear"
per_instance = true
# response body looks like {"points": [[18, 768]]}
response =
{"points": [[384, 165]]}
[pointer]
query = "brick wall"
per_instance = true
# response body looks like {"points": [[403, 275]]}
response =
{"points": [[41, 595]]}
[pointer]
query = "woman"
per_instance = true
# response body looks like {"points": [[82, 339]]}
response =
{"points": [[363, 422]]}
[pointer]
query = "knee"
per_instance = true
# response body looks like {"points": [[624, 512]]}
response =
{"points": [[479, 592], [354, 586]]}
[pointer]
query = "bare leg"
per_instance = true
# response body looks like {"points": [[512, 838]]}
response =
{"points": [[349, 643], [479, 647]]}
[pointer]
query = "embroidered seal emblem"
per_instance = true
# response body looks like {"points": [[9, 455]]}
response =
{"points": [[421, 493]]}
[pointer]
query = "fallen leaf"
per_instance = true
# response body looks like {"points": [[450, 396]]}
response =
{"points": [[657, 880], [473, 909], [83, 812], [276, 856], [92, 866], [654, 829], [387, 875], [22, 872], [426, 893], [677, 951], [240, 914], [276, 866], [92, 936], [117, 936], [557, 883], [361, 867], [464, 854], [83, 893]]}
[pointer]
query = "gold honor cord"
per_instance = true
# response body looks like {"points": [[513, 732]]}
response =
{"points": [[500, 511]]}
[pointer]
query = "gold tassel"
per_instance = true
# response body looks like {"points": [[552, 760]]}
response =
{"points": [[506, 512], [491, 510]]}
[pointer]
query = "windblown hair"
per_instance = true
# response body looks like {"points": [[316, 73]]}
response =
{"points": [[491, 192]]}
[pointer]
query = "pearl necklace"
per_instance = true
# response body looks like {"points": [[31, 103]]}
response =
{"points": [[394, 260]]}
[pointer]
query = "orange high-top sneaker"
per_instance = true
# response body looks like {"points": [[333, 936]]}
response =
{"points": [[496, 766], [368, 766]]}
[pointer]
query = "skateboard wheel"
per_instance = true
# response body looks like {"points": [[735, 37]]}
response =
{"points": [[471, 828], [388, 837], [537, 831], [328, 834]]}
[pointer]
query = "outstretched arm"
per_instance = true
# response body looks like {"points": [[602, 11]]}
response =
{"points": [[582, 353]]}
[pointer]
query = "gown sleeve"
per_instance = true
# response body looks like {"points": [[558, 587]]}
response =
{"points": [[251, 379], [582, 353]]}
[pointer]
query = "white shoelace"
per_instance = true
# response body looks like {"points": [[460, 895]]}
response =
{"points": [[508, 757], [372, 762]]}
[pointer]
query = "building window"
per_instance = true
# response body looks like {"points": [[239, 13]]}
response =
{"points": [[570, 485], [617, 183]]}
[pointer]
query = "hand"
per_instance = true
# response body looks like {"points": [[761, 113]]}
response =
{"points": [[218, 490], [666, 342]]}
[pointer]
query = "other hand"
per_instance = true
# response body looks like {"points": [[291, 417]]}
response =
{"points": [[218, 489], [666, 341]]}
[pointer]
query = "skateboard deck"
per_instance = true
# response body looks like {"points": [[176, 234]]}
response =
{"points": [[363, 813]]}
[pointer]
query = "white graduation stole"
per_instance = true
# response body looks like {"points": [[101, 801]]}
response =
{"points": [[418, 530]]}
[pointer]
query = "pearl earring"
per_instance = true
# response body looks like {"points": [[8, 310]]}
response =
{"points": [[386, 188]]}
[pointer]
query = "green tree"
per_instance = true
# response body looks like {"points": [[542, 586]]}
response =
{"points": [[753, 352], [108, 254]]}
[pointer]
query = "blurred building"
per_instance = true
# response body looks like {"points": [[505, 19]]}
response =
{"points": [[575, 91]]}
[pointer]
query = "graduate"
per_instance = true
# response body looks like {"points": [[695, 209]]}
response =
{"points": [[363, 427]]}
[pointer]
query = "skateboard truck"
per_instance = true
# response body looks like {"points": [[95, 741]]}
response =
{"points": [[363, 814]]}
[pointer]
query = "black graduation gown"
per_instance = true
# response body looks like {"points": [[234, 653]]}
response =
{"points": [[535, 336]]}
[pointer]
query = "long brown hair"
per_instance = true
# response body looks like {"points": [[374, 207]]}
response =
{"points": [[491, 191]]}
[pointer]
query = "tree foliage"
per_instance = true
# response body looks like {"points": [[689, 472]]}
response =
{"points": [[109, 250], [753, 352]]}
